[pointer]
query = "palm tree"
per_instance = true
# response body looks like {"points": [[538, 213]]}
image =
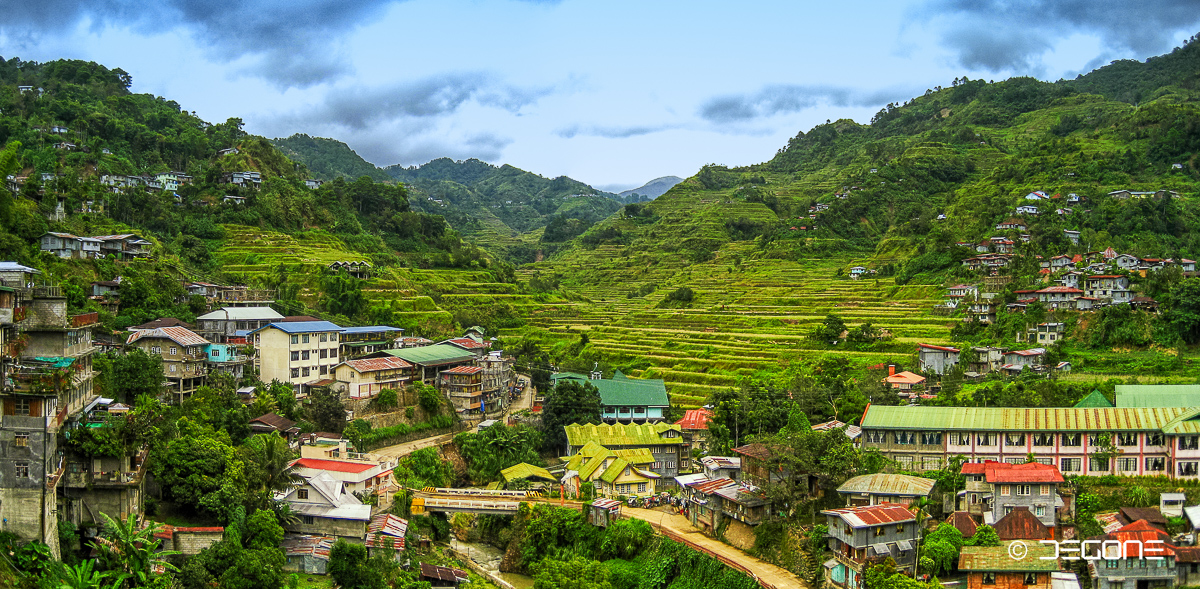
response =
{"points": [[271, 461], [131, 552], [84, 576], [920, 508]]}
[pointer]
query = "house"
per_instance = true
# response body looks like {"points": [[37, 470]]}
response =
{"points": [[760, 470], [123, 246], [464, 386], [592, 461], [474, 345], [274, 423], [1017, 360], [903, 381], [1070, 279], [1044, 333], [430, 361], [665, 442], [721, 467], [995, 489], [604, 511], [242, 178], [994, 566], [857, 272], [859, 536], [1151, 515], [1060, 262], [227, 151], [102, 288], [366, 377], [743, 502], [184, 361], [874, 489], [852, 431], [622, 477], [1035, 195], [1022, 524], [226, 323], [963, 290], [1136, 555], [1171, 504], [1126, 261], [313, 184], [704, 505], [937, 359], [307, 554], [1113, 288], [362, 341], [360, 473], [324, 506], [624, 399], [63, 245], [1072, 236], [188, 541], [385, 535], [1057, 297], [298, 352], [695, 427], [356, 268], [983, 311], [988, 360], [524, 474], [441, 577], [1013, 223], [963, 522], [1027, 210]]}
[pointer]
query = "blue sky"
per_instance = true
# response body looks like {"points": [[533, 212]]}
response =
{"points": [[613, 92]]}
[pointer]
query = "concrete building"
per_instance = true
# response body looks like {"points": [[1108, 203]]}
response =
{"points": [[859, 536], [185, 361], [224, 324], [298, 352], [358, 472], [1110, 288], [695, 427], [430, 361], [937, 359], [989, 567], [995, 489], [464, 386], [366, 377], [326, 508], [1147, 559], [357, 342], [624, 399]]}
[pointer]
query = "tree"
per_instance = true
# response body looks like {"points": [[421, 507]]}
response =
{"points": [[569, 402], [1182, 312], [202, 470], [269, 467], [342, 294], [829, 330], [132, 551], [326, 411], [498, 447], [985, 535], [349, 567], [577, 573], [248, 557], [131, 375]]}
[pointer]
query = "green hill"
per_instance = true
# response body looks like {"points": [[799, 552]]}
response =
{"points": [[328, 158]]}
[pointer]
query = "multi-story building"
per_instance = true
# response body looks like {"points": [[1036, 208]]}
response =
{"points": [[185, 361], [859, 536], [226, 358], [324, 506], [937, 359], [464, 386], [111, 484], [593, 461], [430, 361], [995, 489], [695, 428], [226, 323], [1112, 288], [296, 352], [357, 342], [1150, 441], [498, 379], [665, 442], [1135, 556], [987, 360], [366, 377], [875, 489], [359, 472], [624, 399]]}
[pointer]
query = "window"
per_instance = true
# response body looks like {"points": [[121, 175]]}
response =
{"points": [[1127, 439], [899, 528], [1072, 439], [324, 369], [1014, 439], [1188, 469], [215, 353], [1070, 464], [333, 354], [641, 488], [1156, 463], [304, 339], [22, 440], [1189, 442], [1043, 439], [324, 337], [931, 438], [304, 355], [1154, 439], [295, 373], [1014, 461], [1031, 578], [986, 439], [1039, 510], [1099, 464], [906, 438], [875, 436], [989, 578], [931, 462], [670, 465], [302, 493], [309, 520], [22, 470], [295, 339], [172, 368], [879, 531], [295, 356], [1044, 490], [905, 462], [324, 354], [962, 439], [1008, 509], [305, 371], [174, 350], [1127, 464], [1046, 461], [1024, 490], [22, 407], [1006, 490], [155, 349]]}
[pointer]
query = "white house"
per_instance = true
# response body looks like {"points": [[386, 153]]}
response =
{"points": [[1027, 210]]}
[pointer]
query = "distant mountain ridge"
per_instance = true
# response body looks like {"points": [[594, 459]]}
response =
{"points": [[654, 188], [328, 158]]}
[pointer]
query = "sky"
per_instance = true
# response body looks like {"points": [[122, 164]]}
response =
{"points": [[613, 93]]}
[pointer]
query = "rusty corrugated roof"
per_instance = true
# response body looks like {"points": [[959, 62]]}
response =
{"points": [[888, 484], [1028, 419]]}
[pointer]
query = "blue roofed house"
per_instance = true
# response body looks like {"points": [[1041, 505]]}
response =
{"points": [[624, 399], [297, 352]]}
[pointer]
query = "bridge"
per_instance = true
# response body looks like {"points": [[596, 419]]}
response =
{"points": [[486, 501]]}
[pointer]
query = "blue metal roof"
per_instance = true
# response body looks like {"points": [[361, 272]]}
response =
{"points": [[302, 326], [370, 329]]}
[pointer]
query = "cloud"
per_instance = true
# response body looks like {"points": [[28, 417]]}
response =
{"points": [[1012, 35], [782, 99], [610, 132]]}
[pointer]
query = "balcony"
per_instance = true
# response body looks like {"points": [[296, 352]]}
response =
{"points": [[84, 320]]}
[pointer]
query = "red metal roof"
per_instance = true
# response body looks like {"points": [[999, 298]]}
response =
{"points": [[468, 343], [373, 364], [334, 465], [1001, 472], [695, 419], [1142, 532], [873, 515], [942, 348], [463, 370], [905, 377], [1021, 524], [708, 487]]}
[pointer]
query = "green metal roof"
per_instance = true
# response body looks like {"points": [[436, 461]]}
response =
{"points": [[1158, 395], [435, 355], [1094, 399], [999, 559], [614, 470], [525, 470], [1025, 419], [622, 390], [633, 434]]}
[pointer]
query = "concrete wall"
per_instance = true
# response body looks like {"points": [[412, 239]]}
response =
{"points": [[352, 530], [275, 351]]}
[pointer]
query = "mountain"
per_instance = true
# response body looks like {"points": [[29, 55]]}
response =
{"points": [[654, 188], [328, 158]]}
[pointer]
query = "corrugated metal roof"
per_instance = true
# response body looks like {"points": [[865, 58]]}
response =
{"points": [[616, 434], [999, 559], [463, 370], [888, 484], [301, 326], [873, 515], [180, 335], [242, 314], [1094, 399], [907, 417], [1021, 524], [695, 419], [527, 471], [435, 355], [374, 364]]}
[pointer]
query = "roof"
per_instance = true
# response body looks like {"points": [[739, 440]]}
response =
{"points": [[370, 329], [376, 364], [442, 573], [1059, 289], [721, 462], [905, 377], [1003, 472], [162, 322], [334, 465], [963, 522], [603, 503], [695, 419], [622, 390], [1187, 554], [888, 484], [1022, 524], [755, 450], [710, 486], [1149, 514], [939, 348], [338, 504], [742, 494], [527, 471], [1158, 395], [614, 470], [467, 343], [999, 559], [1026, 418], [301, 326], [1138, 534], [1029, 352], [275, 421], [617, 434], [873, 515], [1094, 399], [463, 370], [852, 431], [435, 355], [241, 314], [180, 335], [386, 531]]}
